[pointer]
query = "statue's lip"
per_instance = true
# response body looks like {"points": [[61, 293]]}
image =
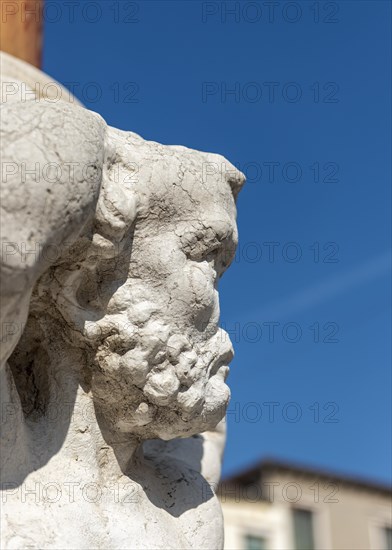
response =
{"points": [[221, 362], [220, 367], [223, 372]]}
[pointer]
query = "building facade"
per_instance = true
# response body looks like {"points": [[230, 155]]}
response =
{"points": [[276, 506]]}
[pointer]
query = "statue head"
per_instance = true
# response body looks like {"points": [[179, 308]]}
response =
{"points": [[137, 290]]}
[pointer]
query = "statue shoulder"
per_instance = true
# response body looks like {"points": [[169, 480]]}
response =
{"points": [[52, 161]]}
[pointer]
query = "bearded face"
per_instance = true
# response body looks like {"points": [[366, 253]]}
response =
{"points": [[151, 378], [144, 299]]}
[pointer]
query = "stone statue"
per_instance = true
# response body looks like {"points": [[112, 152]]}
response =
{"points": [[113, 365]]}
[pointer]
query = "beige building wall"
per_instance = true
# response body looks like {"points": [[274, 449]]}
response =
{"points": [[260, 520], [345, 516]]}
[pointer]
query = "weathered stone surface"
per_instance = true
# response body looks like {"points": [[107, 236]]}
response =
{"points": [[112, 362]]}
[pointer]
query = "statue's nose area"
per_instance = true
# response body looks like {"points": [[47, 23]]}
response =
{"points": [[217, 165]]}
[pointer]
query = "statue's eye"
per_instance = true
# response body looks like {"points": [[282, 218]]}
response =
{"points": [[212, 252]]}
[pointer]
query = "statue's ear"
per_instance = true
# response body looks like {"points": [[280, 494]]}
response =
{"points": [[117, 205], [116, 210]]}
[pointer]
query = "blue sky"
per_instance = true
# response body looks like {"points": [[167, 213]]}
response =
{"points": [[299, 99]]}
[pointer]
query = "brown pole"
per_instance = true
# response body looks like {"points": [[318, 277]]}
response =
{"points": [[21, 26]]}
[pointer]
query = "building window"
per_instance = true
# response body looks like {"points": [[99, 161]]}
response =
{"points": [[303, 529], [388, 537], [255, 543]]}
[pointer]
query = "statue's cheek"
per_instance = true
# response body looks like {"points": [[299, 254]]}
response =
{"points": [[198, 280]]}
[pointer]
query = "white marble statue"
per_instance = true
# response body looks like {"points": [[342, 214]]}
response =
{"points": [[113, 366]]}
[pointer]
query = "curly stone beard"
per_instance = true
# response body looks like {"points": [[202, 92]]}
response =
{"points": [[164, 385]]}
